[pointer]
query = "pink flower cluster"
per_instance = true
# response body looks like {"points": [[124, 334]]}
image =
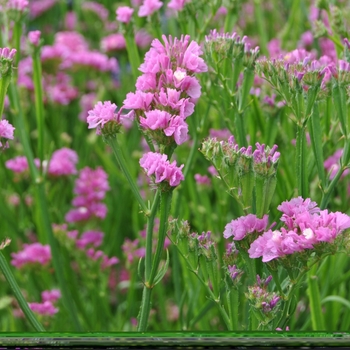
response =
{"points": [[63, 162], [157, 164], [6, 133], [34, 253], [72, 51], [90, 189], [305, 226], [167, 89], [90, 240], [46, 307], [239, 228]]}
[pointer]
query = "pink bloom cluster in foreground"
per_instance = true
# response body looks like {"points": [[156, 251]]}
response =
{"points": [[6, 133], [305, 226], [239, 228], [167, 89], [90, 189], [158, 165], [34, 253]]}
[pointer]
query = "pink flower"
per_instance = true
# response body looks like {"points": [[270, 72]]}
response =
{"points": [[149, 7], [63, 162], [202, 179], [124, 14], [102, 114], [46, 308], [157, 164], [51, 295], [19, 5], [34, 37], [90, 188], [90, 238], [244, 225], [177, 5], [18, 164], [6, 133], [138, 100], [113, 42], [155, 119], [31, 254]]}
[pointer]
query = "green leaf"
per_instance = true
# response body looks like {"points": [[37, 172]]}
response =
{"points": [[162, 270]]}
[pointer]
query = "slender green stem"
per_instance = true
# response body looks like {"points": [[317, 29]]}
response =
{"points": [[149, 235], [132, 50], [18, 295], [17, 33], [165, 204], [113, 142], [315, 301], [39, 106], [44, 224], [261, 24], [301, 165], [232, 300]]}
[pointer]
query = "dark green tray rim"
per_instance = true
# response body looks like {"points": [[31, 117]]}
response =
{"points": [[164, 339]]}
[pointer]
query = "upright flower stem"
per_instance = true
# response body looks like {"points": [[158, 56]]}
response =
{"points": [[300, 162], [113, 142], [317, 320], [44, 224], [165, 204], [132, 50], [18, 295], [39, 107]]}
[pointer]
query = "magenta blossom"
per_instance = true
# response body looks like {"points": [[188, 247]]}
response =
{"points": [[158, 165], [63, 162], [124, 14], [34, 37], [244, 225], [149, 7], [34, 253], [6, 133]]}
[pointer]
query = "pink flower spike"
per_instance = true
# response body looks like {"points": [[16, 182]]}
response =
{"points": [[34, 37], [124, 14]]}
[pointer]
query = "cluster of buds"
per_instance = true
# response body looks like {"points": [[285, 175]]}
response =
{"points": [[244, 171], [262, 300], [297, 77], [221, 46], [229, 56]]}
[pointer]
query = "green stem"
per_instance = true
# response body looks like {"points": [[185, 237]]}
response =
{"points": [[18, 295], [39, 107], [132, 50], [113, 142], [261, 24], [44, 224], [17, 32], [232, 300], [301, 165], [165, 204], [149, 235], [315, 301]]}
